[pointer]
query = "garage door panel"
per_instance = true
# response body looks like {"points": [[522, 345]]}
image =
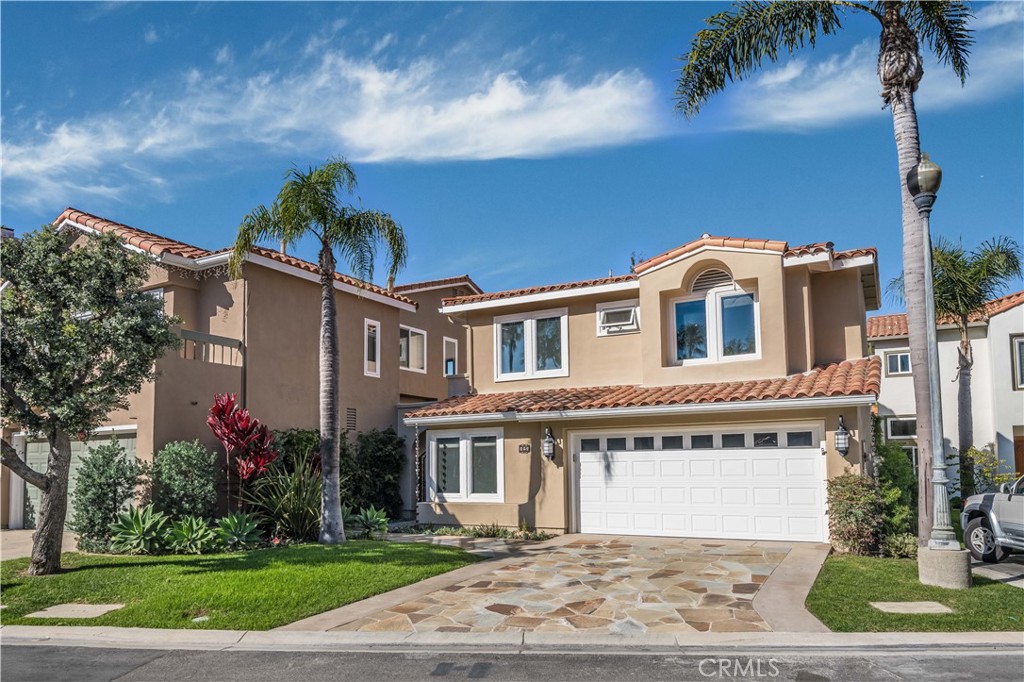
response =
{"points": [[742, 494]]}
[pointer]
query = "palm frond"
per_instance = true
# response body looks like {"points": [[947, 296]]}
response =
{"points": [[357, 234], [944, 28], [261, 224], [737, 41]]}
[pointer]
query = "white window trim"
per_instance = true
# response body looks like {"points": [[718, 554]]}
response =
{"points": [[410, 368], [444, 356], [716, 431], [529, 340], [465, 437], [897, 351], [367, 322], [633, 328], [1015, 364], [888, 428], [713, 319]]}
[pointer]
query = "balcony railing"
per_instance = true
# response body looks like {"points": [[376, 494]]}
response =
{"points": [[218, 350]]}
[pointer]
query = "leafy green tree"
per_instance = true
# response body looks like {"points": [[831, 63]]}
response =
{"points": [[310, 205], [736, 42], [78, 338], [107, 480], [965, 281]]}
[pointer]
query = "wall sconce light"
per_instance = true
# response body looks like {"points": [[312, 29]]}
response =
{"points": [[548, 444], [842, 438]]}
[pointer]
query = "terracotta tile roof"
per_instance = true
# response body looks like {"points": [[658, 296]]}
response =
{"points": [[854, 253], [887, 326], [805, 249], [495, 295], [464, 280], [850, 378], [310, 267], [708, 240], [147, 241]]}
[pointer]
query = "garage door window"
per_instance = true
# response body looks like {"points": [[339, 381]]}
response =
{"points": [[643, 443], [766, 439], [733, 440], [467, 466], [799, 439], [616, 444], [704, 441], [671, 442], [647, 441]]}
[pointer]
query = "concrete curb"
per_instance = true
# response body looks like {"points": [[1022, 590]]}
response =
{"points": [[867, 643]]}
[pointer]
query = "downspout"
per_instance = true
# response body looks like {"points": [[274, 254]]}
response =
{"points": [[245, 337]]}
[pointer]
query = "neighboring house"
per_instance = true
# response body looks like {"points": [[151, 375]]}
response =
{"points": [[699, 397], [258, 336], [997, 380]]}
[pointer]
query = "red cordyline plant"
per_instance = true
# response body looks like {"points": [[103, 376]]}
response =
{"points": [[247, 441]]}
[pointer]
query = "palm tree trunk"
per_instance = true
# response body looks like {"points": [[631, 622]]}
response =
{"points": [[899, 70], [53, 508], [965, 411], [332, 528]]}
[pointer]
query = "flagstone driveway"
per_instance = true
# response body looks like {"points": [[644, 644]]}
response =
{"points": [[600, 584]]}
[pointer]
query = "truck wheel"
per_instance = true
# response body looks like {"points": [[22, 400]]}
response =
{"points": [[982, 543]]}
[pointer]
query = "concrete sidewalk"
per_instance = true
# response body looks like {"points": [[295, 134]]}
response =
{"points": [[869, 643], [18, 543]]}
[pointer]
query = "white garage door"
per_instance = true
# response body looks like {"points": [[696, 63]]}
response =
{"points": [[764, 483]]}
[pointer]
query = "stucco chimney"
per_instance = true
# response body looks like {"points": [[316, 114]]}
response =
{"points": [[284, 248]]}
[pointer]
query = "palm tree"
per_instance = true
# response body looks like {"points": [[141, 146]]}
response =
{"points": [[309, 204], [964, 282], [737, 41]]}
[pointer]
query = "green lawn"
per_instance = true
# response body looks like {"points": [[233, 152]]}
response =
{"points": [[840, 596], [254, 590]]}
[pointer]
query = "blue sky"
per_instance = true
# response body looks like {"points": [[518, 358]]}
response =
{"points": [[520, 143]]}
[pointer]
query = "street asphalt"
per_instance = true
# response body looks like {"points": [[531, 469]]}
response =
{"points": [[89, 664]]}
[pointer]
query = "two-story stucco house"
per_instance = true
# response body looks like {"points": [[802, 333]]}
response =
{"points": [[258, 336], [997, 379], [700, 396]]}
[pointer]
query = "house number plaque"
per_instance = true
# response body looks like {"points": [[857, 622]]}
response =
{"points": [[524, 449]]}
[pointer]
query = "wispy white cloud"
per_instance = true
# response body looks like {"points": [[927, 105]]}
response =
{"points": [[385, 41], [806, 93], [150, 35], [418, 111], [223, 55]]}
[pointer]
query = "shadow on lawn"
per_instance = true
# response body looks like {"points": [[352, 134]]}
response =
{"points": [[363, 552]]}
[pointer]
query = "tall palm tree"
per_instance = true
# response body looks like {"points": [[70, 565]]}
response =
{"points": [[965, 281], [737, 41], [310, 204]]}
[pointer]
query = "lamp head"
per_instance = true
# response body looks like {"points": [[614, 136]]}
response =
{"points": [[925, 177]]}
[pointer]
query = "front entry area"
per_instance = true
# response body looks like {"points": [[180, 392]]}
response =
{"points": [[758, 482]]}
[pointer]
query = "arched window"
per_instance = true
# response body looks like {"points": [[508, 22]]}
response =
{"points": [[717, 321]]}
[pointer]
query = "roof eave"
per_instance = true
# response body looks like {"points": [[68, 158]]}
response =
{"points": [[652, 410]]}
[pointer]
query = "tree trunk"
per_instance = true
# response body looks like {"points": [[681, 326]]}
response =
{"points": [[899, 67], [332, 527], [53, 507], [965, 411]]}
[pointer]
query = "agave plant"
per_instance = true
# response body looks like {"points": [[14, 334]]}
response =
{"points": [[191, 535], [140, 530], [371, 522], [238, 531]]}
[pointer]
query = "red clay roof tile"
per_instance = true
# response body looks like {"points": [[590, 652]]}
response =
{"points": [[850, 378], [708, 240], [147, 241], [464, 280], [887, 326], [511, 293]]}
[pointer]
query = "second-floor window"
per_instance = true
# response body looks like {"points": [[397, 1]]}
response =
{"points": [[718, 324], [619, 317], [451, 357], [897, 363], [412, 349], [1018, 362], [371, 348], [531, 345], [899, 428]]}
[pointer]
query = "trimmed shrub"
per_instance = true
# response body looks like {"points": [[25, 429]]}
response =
{"points": [[371, 467], [854, 514], [371, 471], [900, 546], [287, 502], [140, 530], [185, 480], [107, 481], [898, 485]]}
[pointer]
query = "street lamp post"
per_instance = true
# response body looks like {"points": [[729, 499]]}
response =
{"points": [[942, 563]]}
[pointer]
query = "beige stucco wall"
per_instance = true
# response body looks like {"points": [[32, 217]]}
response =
{"points": [[759, 272], [537, 491], [593, 360], [799, 320], [839, 316], [432, 385]]}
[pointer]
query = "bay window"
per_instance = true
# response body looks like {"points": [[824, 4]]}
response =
{"points": [[466, 466], [531, 345]]}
